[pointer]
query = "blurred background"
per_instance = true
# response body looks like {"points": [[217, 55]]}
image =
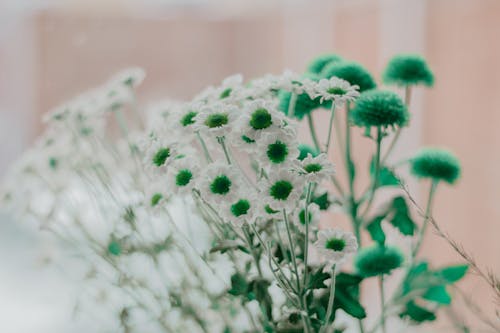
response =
{"points": [[52, 50]]}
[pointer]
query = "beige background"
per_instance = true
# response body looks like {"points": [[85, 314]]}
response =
{"points": [[48, 55]]}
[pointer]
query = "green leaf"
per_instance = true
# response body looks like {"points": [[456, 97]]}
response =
{"points": [[401, 218], [346, 296], [386, 177], [438, 294], [260, 291], [452, 274], [317, 279], [375, 230], [350, 304], [417, 313], [322, 201], [239, 285]]}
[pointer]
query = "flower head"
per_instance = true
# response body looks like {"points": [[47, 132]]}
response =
{"points": [[437, 164], [408, 69], [220, 183], [216, 119], [379, 108], [334, 245], [183, 175], [244, 208], [305, 150], [377, 260], [315, 169], [282, 190], [337, 90], [320, 62], [260, 117], [352, 72], [278, 149], [312, 218]]}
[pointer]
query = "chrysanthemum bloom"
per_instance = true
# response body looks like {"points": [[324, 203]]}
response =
{"points": [[378, 260], [334, 245], [313, 216], [282, 190], [182, 175], [130, 77], [244, 209], [408, 69], [437, 164], [379, 108], [216, 119], [220, 183], [259, 117], [159, 155], [335, 89], [278, 149], [315, 169], [305, 150], [352, 72], [319, 63]]}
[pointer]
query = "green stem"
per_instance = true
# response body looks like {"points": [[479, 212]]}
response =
{"points": [[312, 130], [252, 250], [291, 104], [222, 142], [428, 212], [330, 127], [306, 240], [204, 148], [382, 302], [331, 298], [377, 173]]}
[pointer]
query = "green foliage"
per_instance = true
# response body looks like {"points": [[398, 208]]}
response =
{"points": [[408, 69], [322, 201], [303, 104], [386, 176], [318, 64], [396, 213], [379, 108], [378, 260], [305, 150], [352, 72], [437, 164], [417, 313]]}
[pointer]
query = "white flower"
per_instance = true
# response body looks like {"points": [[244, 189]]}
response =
{"points": [[278, 148], [299, 216], [229, 90], [216, 119], [334, 245], [292, 82], [129, 77], [260, 116], [159, 154], [181, 177], [335, 89], [315, 169], [282, 190], [220, 183], [245, 208]]}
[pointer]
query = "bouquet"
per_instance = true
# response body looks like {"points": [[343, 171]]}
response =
{"points": [[211, 216]]}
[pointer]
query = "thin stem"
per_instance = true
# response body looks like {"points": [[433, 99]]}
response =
{"points": [[222, 142], [331, 298], [204, 148], [428, 213], [292, 248], [382, 302], [330, 127], [306, 239], [291, 105], [252, 250], [377, 173], [312, 130]]}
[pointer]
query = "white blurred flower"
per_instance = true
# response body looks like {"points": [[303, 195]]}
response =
{"points": [[335, 245], [335, 89], [315, 169]]}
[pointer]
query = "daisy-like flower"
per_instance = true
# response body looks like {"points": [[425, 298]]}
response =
{"points": [[220, 183], [183, 174], [282, 190], [260, 117], [278, 148], [334, 245], [315, 169], [299, 216], [293, 83], [159, 155], [216, 119], [335, 89], [130, 77], [244, 209], [227, 91]]}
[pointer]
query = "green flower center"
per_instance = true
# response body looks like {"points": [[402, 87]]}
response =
{"points": [[217, 120], [335, 244], [313, 167], [281, 190], [183, 177], [277, 152], [247, 139], [114, 248], [155, 199], [188, 118], [302, 217], [225, 93], [221, 185], [240, 208], [161, 156], [261, 119], [53, 163], [336, 91]]}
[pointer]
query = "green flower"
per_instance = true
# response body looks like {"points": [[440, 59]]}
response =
{"points": [[437, 164], [281, 190], [306, 150], [261, 119], [221, 185], [216, 120], [378, 260], [188, 118], [408, 69], [352, 72], [183, 177], [319, 63], [161, 156], [241, 207], [379, 108]]}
